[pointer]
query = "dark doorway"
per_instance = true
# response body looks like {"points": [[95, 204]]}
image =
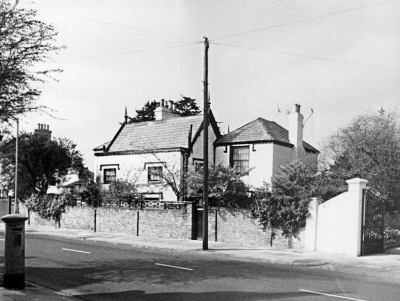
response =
{"points": [[199, 223]]}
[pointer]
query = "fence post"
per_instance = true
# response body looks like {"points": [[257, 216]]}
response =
{"points": [[137, 223], [216, 224], [95, 219]]}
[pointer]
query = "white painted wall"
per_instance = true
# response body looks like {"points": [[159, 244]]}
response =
{"points": [[132, 168], [260, 160], [221, 156], [339, 221]]}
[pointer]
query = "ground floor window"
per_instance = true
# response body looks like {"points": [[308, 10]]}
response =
{"points": [[110, 175]]}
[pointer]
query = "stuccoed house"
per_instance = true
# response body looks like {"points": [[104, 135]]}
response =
{"points": [[141, 151], [264, 146]]}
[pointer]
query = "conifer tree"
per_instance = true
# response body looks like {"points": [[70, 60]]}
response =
{"points": [[147, 112], [187, 106]]}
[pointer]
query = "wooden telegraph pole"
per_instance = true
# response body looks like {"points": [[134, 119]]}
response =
{"points": [[205, 148]]}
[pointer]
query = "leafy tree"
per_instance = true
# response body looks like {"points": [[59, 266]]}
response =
{"points": [[147, 112], [124, 192], [48, 206], [187, 106], [369, 148], [93, 195], [40, 159], [226, 188], [25, 42], [285, 207]]}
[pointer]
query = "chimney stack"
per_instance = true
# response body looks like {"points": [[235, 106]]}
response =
{"points": [[166, 112], [296, 133], [43, 130]]}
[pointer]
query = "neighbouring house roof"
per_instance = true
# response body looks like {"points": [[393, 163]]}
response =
{"points": [[171, 133], [260, 130], [100, 147]]}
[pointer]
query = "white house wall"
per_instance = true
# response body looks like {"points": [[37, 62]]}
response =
{"points": [[220, 156], [260, 162], [132, 168]]}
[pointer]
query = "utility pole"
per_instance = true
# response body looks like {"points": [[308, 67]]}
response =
{"points": [[16, 169], [205, 148]]}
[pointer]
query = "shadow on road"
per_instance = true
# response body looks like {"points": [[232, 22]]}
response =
{"points": [[138, 295]]}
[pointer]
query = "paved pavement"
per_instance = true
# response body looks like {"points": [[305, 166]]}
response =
{"points": [[390, 259]]}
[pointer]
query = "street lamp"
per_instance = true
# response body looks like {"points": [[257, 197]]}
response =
{"points": [[16, 169]]}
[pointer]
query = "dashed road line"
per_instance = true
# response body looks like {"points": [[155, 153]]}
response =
{"points": [[173, 266], [370, 266], [78, 251], [330, 295]]}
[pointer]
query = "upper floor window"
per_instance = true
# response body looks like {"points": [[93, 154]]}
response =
{"points": [[240, 158], [110, 175], [154, 174]]}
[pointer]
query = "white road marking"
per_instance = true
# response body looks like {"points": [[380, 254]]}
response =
{"points": [[1, 238], [370, 266], [78, 251], [172, 266], [329, 295]]}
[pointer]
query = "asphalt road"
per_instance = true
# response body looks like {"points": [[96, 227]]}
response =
{"points": [[93, 271]]}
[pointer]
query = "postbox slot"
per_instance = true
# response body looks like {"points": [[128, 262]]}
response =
{"points": [[17, 240]]}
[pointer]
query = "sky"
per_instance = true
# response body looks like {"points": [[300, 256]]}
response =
{"points": [[337, 58]]}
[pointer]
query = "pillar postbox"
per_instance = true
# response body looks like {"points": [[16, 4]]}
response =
{"points": [[14, 251]]}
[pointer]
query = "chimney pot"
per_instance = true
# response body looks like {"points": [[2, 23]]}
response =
{"points": [[171, 103], [162, 103], [48, 127], [297, 108], [38, 125]]}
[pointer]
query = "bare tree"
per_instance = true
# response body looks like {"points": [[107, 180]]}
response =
{"points": [[25, 42]]}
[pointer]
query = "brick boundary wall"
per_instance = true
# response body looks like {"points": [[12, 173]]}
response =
{"points": [[238, 228]]}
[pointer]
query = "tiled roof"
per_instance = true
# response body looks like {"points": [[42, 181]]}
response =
{"points": [[100, 147], [260, 130], [151, 135]]}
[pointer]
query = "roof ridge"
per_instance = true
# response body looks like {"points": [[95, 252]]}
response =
{"points": [[242, 126]]}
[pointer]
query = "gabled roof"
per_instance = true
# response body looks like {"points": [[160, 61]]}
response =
{"points": [[171, 133], [260, 130]]}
